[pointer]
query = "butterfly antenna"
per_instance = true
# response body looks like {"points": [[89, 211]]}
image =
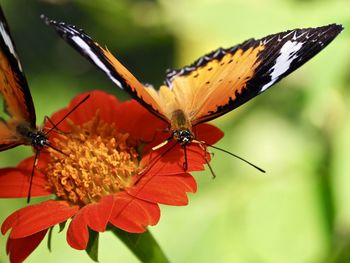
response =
{"points": [[36, 158], [236, 156], [46, 118], [67, 114]]}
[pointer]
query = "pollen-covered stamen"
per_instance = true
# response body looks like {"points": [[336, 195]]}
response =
{"points": [[101, 161]]}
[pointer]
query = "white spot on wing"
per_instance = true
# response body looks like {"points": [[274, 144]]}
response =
{"points": [[283, 61], [8, 43], [85, 47]]}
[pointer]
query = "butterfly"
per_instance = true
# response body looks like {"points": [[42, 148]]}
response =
{"points": [[213, 85], [18, 125]]}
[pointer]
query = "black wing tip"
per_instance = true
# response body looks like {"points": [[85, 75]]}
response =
{"points": [[331, 29], [332, 26], [335, 28], [51, 22], [339, 27], [47, 20], [64, 29], [44, 17]]}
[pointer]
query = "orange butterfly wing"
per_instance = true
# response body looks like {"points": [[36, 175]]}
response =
{"points": [[14, 90], [226, 78], [106, 62], [206, 88], [216, 83]]}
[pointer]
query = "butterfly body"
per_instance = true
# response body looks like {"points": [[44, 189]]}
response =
{"points": [[32, 136], [181, 127]]}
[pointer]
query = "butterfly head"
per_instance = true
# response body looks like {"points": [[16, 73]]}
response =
{"points": [[184, 136], [181, 127], [38, 139]]}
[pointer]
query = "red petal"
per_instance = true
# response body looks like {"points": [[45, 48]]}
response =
{"points": [[78, 234], [170, 159], [136, 120], [132, 214], [14, 182], [100, 101], [35, 218], [208, 133], [169, 190], [55, 118], [95, 216], [27, 164], [20, 248], [129, 116]]}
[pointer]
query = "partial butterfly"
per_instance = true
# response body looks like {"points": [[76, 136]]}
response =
{"points": [[19, 125], [215, 83]]}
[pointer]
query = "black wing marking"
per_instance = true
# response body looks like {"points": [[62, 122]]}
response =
{"points": [[106, 62], [282, 54], [14, 86], [217, 54], [80, 41], [295, 47], [4, 147]]}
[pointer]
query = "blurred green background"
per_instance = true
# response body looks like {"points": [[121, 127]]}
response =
{"points": [[299, 131]]}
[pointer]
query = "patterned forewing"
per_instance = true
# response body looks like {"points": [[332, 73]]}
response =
{"points": [[13, 85], [107, 63], [8, 136], [226, 78], [138, 91], [216, 83]]}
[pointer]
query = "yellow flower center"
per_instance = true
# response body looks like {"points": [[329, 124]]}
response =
{"points": [[99, 161]]}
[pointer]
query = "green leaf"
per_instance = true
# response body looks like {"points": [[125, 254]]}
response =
{"points": [[144, 246], [62, 226], [92, 246], [49, 238]]}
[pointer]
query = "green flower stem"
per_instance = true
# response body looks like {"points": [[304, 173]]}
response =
{"points": [[326, 191], [144, 246]]}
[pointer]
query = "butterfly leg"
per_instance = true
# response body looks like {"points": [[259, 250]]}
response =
{"points": [[55, 125], [185, 163], [210, 168], [36, 159], [162, 144], [47, 119], [205, 150]]}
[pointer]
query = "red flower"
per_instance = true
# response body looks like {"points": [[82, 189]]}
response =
{"points": [[103, 177]]}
